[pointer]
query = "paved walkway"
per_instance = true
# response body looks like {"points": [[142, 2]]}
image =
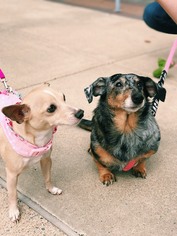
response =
{"points": [[70, 47]]}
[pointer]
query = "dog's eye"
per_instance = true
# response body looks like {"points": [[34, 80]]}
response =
{"points": [[51, 109], [119, 84]]}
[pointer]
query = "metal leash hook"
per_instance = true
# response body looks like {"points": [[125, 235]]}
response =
{"points": [[162, 92], [8, 90], [4, 81]]}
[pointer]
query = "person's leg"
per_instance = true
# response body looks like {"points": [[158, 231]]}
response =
{"points": [[156, 18]]}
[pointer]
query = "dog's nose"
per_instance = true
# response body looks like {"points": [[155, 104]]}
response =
{"points": [[79, 114], [137, 98]]}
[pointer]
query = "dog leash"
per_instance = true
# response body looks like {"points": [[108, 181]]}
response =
{"points": [[160, 96], [163, 76]]}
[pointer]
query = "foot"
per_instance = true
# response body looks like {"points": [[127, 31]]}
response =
{"points": [[14, 214], [55, 191], [140, 171], [107, 179]]}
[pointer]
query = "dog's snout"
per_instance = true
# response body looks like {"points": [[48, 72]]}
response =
{"points": [[79, 114], [137, 98]]}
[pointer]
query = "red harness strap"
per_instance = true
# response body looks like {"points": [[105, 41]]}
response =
{"points": [[129, 166]]}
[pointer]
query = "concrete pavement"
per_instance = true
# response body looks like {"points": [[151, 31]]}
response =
{"points": [[70, 47]]}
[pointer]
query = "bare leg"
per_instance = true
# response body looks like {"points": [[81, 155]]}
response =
{"points": [[46, 164]]}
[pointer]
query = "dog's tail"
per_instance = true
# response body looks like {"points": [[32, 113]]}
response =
{"points": [[85, 124]]}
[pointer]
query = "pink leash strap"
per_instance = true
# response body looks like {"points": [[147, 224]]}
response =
{"points": [[170, 57], [2, 76]]}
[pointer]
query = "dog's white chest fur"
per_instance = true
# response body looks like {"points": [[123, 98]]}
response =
{"points": [[40, 141]]}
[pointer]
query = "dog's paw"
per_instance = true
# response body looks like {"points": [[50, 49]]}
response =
{"points": [[139, 173], [108, 179], [55, 191], [140, 170], [14, 214]]}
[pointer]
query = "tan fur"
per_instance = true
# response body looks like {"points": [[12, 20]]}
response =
{"points": [[105, 158], [123, 130], [116, 102], [106, 177], [140, 168], [125, 122], [36, 126]]}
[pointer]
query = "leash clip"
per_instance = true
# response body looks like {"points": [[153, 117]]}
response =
{"points": [[7, 87], [4, 81]]}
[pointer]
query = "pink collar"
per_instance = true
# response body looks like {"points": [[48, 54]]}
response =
{"points": [[19, 144]]}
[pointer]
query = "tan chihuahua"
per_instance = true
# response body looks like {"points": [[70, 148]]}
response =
{"points": [[26, 136]]}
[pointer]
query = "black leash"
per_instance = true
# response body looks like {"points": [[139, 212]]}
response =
{"points": [[162, 92]]}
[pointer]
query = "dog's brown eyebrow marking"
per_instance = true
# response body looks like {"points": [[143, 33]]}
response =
{"points": [[122, 79], [136, 79]]}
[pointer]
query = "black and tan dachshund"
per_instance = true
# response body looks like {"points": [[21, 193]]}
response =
{"points": [[124, 133]]}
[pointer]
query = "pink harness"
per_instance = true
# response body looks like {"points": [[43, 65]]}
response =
{"points": [[18, 143]]}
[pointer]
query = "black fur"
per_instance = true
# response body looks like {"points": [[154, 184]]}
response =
{"points": [[123, 144]]}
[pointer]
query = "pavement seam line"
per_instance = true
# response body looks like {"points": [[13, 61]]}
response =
{"points": [[87, 69], [44, 213]]}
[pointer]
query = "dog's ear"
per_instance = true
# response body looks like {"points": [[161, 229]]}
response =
{"points": [[97, 88], [151, 89], [18, 113]]}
